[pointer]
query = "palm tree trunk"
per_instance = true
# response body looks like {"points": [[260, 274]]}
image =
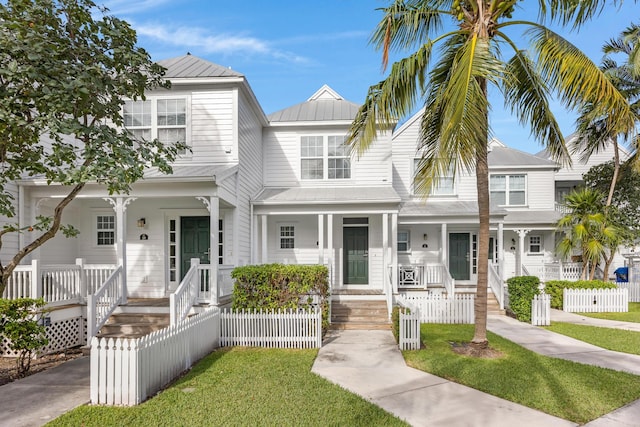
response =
{"points": [[482, 183], [616, 171]]}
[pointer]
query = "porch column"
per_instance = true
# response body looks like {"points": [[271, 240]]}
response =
{"points": [[500, 250], [263, 242], [321, 239], [394, 252], [214, 217], [330, 248], [521, 235], [120, 207], [444, 250], [385, 251]]}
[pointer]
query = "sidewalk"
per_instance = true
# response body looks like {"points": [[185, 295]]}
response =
{"points": [[561, 316], [41, 397], [369, 364]]}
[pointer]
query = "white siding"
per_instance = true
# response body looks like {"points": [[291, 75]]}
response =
{"points": [[10, 240], [579, 168], [282, 159], [249, 175], [212, 126]]}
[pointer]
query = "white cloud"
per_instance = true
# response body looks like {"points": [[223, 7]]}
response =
{"points": [[200, 40], [123, 7]]}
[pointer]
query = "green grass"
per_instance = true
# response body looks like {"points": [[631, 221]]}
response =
{"points": [[632, 316], [241, 387], [569, 390], [609, 338]]}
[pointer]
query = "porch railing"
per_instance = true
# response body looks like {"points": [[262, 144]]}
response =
{"points": [[184, 297], [448, 281], [104, 301], [421, 276], [497, 285], [562, 271], [57, 284]]}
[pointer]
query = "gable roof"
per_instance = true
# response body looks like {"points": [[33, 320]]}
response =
{"points": [[324, 105], [190, 66], [503, 156]]}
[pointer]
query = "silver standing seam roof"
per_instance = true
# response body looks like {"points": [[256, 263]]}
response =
{"points": [[506, 156], [324, 105], [444, 208], [190, 66], [326, 195]]}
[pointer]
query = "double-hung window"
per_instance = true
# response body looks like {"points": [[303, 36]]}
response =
{"points": [[404, 241], [287, 237], [443, 185], [105, 230], [508, 190], [535, 244], [324, 158], [161, 118]]}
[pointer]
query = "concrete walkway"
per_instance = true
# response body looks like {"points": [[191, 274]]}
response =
{"points": [[39, 398], [369, 364], [578, 319]]}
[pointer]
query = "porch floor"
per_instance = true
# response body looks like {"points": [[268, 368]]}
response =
{"points": [[147, 302]]}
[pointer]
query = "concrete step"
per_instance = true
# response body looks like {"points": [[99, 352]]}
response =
{"points": [[359, 314], [133, 325], [362, 326]]}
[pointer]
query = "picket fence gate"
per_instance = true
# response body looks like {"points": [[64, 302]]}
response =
{"points": [[434, 308], [632, 288], [595, 300], [280, 329], [409, 330], [127, 371], [541, 310]]}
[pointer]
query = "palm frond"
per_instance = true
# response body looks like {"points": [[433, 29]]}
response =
{"points": [[390, 99], [570, 12], [526, 94], [579, 81]]}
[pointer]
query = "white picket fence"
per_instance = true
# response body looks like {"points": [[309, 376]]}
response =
{"points": [[632, 288], [595, 300], [281, 329], [409, 330], [541, 310], [128, 371], [435, 308]]}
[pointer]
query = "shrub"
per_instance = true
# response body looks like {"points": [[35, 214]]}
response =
{"points": [[279, 286], [20, 324], [555, 287], [522, 289]]}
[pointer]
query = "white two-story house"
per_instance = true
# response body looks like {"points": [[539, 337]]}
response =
{"points": [[284, 188]]}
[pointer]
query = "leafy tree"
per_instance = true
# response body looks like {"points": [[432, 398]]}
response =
{"points": [[586, 228], [455, 125], [65, 68]]}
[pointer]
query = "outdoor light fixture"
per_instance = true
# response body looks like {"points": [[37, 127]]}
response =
{"points": [[142, 222]]}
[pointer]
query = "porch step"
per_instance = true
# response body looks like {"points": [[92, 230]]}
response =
{"points": [[492, 305], [133, 325], [359, 314]]}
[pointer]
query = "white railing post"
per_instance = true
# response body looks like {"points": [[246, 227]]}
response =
{"points": [[82, 278], [36, 280], [91, 317]]}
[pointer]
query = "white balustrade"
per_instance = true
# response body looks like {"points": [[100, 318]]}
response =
{"points": [[497, 285], [184, 297], [102, 304]]}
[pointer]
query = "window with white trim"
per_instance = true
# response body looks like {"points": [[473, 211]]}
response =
{"points": [[162, 118], [443, 185], [287, 237], [535, 244], [404, 241], [324, 157], [508, 190], [105, 230]]}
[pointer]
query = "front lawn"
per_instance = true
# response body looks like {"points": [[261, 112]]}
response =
{"points": [[243, 387], [609, 338], [569, 390], [632, 316]]}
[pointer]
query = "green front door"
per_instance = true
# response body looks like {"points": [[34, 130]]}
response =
{"points": [[356, 251], [194, 241], [459, 255]]}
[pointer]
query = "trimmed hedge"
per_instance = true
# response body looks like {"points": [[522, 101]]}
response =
{"points": [[555, 287], [279, 286], [522, 289]]}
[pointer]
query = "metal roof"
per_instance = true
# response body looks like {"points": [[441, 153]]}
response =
{"points": [[505, 156], [549, 217], [444, 208], [324, 105], [325, 195], [193, 172], [189, 66]]}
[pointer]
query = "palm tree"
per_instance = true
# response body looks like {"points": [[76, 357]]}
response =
{"points": [[455, 126], [586, 227]]}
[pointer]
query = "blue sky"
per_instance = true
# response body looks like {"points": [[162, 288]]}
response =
{"points": [[289, 49]]}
